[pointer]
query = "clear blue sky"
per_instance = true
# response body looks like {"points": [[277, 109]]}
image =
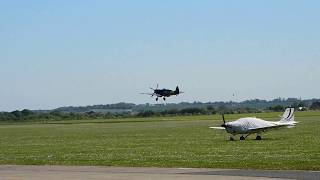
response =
{"points": [[61, 53]]}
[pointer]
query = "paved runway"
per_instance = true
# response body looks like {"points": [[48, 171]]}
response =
{"points": [[22, 172]]}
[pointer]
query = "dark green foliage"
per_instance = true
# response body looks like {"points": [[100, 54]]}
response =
{"points": [[191, 111], [211, 109], [256, 104], [315, 105], [277, 108], [26, 112], [170, 112], [124, 110], [17, 115], [298, 104], [121, 105], [146, 114]]}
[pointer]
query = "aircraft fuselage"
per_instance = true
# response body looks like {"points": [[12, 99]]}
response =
{"points": [[245, 125], [164, 92]]}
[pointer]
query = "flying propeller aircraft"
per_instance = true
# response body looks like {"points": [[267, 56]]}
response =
{"points": [[251, 125], [164, 93]]}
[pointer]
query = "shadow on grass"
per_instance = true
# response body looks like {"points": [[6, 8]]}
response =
{"points": [[253, 139]]}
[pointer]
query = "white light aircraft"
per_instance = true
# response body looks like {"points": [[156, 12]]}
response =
{"points": [[251, 125]]}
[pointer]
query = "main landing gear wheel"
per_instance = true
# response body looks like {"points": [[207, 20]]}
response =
{"points": [[258, 138], [242, 138], [157, 99], [164, 99]]}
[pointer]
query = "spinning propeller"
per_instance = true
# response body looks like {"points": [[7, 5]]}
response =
{"points": [[224, 121], [154, 89]]}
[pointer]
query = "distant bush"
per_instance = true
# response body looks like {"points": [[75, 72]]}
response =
{"points": [[192, 111], [146, 114], [147, 110], [315, 105], [276, 108]]}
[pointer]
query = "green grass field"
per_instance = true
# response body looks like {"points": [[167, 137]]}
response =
{"points": [[162, 142]]}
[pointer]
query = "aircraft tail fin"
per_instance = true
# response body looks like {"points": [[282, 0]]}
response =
{"points": [[177, 91], [288, 116]]}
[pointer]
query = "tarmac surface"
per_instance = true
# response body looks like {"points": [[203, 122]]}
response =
{"points": [[26, 172]]}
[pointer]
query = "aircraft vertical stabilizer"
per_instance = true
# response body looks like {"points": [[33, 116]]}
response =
{"points": [[288, 116], [177, 91]]}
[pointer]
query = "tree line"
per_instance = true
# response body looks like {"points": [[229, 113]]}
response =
{"points": [[56, 115]]}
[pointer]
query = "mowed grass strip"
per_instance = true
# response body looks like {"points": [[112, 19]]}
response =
{"points": [[182, 141]]}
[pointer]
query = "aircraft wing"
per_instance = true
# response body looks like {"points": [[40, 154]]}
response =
{"points": [[217, 128], [266, 128]]}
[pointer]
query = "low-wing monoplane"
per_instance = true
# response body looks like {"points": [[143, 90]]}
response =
{"points": [[251, 125], [163, 93]]}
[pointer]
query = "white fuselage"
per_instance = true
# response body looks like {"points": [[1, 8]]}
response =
{"points": [[244, 125]]}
